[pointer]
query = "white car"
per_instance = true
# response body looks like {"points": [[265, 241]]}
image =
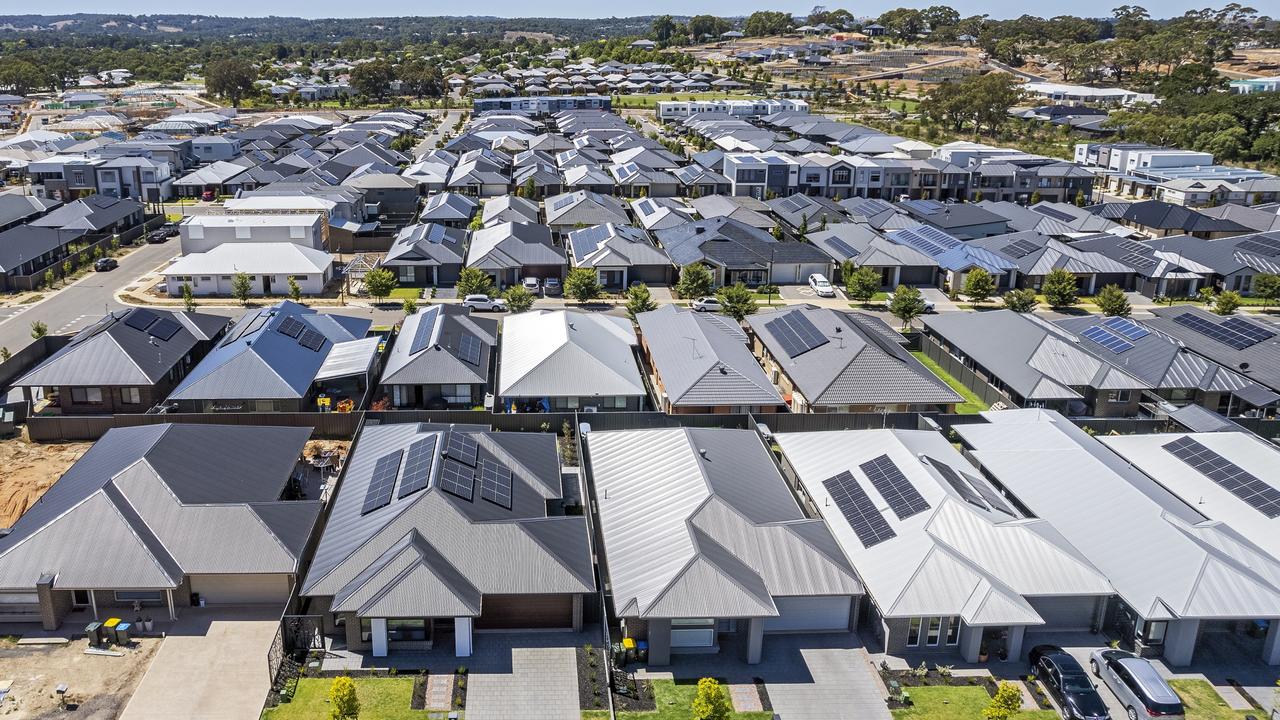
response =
{"points": [[821, 285], [532, 285], [485, 303], [708, 303], [928, 304]]}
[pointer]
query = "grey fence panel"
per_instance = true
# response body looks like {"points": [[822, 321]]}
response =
{"points": [[956, 369]]}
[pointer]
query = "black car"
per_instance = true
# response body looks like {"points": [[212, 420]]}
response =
{"points": [[1068, 683], [105, 264], [159, 236]]}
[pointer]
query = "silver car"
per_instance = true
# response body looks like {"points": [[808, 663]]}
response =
{"points": [[1140, 689]]}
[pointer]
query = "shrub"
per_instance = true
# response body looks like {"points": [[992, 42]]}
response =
{"points": [[1112, 301], [711, 702], [862, 284], [1021, 301], [474, 281], [1059, 288], [1006, 703], [639, 300], [1226, 302], [518, 299], [582, 284], [979, 285], [695, 281], [342, 699]]}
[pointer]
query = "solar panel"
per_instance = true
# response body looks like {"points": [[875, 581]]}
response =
{"points": [[382, 482], [1262, 245], [1235, 335], [1250, 330], [796, 334], [1141, 262], [1231, 477], [417, 466], [562, 203], [423, 332], [140, 319], [1020, 249], [1107, 339], [843, 247], [1133, 246], [461, 447], [903, 498], [992, 497], [495, 483], [458, 479], [164, 329], [292, 327], [469, 349], [1054, 213], [1125, 327], [926, 238], [311, 340], [854, 503]]}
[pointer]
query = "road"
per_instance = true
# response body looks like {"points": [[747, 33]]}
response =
{"points": [[1014, 71], [429, 142]]}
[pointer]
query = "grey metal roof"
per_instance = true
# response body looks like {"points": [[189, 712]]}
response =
{"points": [[700, 523], [1260, 363], [733, 244], [857, 366], [438, 362], [869, 248], [585, 207], [1049, 255], [699, 364], [432, 553], [427, 245], [509, 208], [111, 352], [513, 245], [564, 353], [146, 505], [448, 207], [614, 246]]}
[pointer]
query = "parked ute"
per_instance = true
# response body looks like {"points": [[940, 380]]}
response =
{"points": [[928, 304], [708, 303], [821, 285], [484, 303], [1137, 684], [1068, 683]]}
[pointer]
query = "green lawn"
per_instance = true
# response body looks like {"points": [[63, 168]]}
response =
{"points": [[956, 703], [878, 299], [675, 702], [972, 404], [384, 698], [649, 100], [1202, 702], [403, 293]]}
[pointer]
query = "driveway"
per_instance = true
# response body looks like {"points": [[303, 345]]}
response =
{"points": [[212, 666]]}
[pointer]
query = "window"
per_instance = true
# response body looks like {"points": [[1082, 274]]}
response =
{"points": [[1155, 632], [913, 632], [406, 629], [751, 176], [840, 176], [130, 395], [405, 273], [144, 596], [953, 630], [812, 178], [86, 396], [1118, 396], [456, 394], [935, 630]]}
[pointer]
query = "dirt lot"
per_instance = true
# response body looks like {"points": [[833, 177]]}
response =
{"points": [[99, 685], [29, 470]]}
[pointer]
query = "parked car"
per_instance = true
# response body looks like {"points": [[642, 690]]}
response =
{"points": [[485, 303], [928, 304], [821, 285], [551, 287], [105, 264], [1068, 683], [1137, 684], [207, 196], [158, 236], [710, 303], [532, 285]]}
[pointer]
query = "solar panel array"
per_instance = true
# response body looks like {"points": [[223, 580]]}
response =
{"points": [[796, 334], [563, 203], [292, 327], [458, 479], [843, 247], [311, 340], [957, 483], [992, 497], [141, 319], [1126, 327], [1231, 477], [1107, 339], [885, 476], [1020, 249], [417, 466], [469, 349], [1261, 245], [1133, 246], [927, 239], [1239, 335], [164, 328], [462, 447], [1140, 261], [382, 483], [856, 506], [422, 333], [495, 483], [1054, 213]]}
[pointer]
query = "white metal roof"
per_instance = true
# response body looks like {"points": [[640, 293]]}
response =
{"points": [[352, 357], [562, 353], [258, 258]]}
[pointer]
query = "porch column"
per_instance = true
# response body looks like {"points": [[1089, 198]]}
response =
{"points": [[755, 640], [1093, 281], [168, 596], [970, 642], [1271, 646], [462, 637], [1180, 641], [659, 642], [93, 604], [577, 612], [378, 636], [1014, 647], [897, 276]]}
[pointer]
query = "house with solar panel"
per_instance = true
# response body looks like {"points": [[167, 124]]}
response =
{"points": [[126, 362], [620, 255], [555, 360], [951, 565], [811, 213], [572, 210], [1035, 255], [734, 560], [1232, 262], [166, 516], [737, 252], [449, 209], [1191, 566], [426, 255], [1156, 272], [441, 533], [443, 358], [864, 247], [283, 358], [955, 257], [825, 360], [1249, 345]]}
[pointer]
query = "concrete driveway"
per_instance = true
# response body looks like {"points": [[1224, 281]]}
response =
{"points": [[212, 666]]}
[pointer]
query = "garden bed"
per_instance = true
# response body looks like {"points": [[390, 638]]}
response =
{"points": [[459, 688], [1037, 692], [418, 700], [591, 678]]}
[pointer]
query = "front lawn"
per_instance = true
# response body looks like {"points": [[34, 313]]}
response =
{"points": [[675, 702], [956, 702], [1202, 702], [382, 698], [406, 293], [972, 404]]}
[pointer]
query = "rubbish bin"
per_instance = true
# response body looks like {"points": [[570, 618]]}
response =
{"points": [[629, 644], [93, 631], [109, 630], [122, 633], [619, 655], [642, 651]]}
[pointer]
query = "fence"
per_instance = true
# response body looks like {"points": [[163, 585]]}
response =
{"points": [[83, 253], [985, 391]]}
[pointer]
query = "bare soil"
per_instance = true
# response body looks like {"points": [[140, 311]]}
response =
{"points": [[29, 470], [99, 686]]}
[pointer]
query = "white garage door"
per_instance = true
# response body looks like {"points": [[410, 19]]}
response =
{"points": [[810, 614], [241, 589]]}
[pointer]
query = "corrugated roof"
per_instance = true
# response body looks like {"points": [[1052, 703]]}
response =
{"points": [[699, 364], [437, 361], [564, 353]]}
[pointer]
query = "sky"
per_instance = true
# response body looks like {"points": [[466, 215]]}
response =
{"points": [[577, 8]]}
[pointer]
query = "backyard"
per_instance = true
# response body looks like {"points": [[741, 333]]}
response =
{"points": [[956, 703], [674, 699], [382, 698], [972, 404]]}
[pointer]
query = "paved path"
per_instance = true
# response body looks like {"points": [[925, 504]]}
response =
{"points": [[745, 697], [542, 685], [439, 691]]}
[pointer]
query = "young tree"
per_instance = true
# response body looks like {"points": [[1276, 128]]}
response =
{"points": [[188, 298], [1112, 301], [582, 284], [67, 267], [1059, 288], [1080, 199], [711, 702], [241, 287], [979, 286], [907, 304], [410, 306], [49, 278], [1267, 288], [380, 282], [1020, 301], [477, 223], [1226, 302], [343, 703], [639, 300], [295, 290], [768, 290], [518, 299], [38, 330], [862, 284], [1006, 703], [530, 190], [1035, 197], [695, 281], [803, 230], [474, 281], [737, 301]]}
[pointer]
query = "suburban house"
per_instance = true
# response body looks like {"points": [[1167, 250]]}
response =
{"points": [[510, 251], [426, 255], [956, 258], [18, 209], [825, 360], [1156, 218], [126, 362], [449, 209], [1156, 272], [269, 266], [1251, 345], [202, 233], [95, 215], [709, 547], [737, 252], [864, 247], [439, 532], [961, 220], [744, 209], [443, 358], [187, 514], [620, 255], [393, 195], [283, 358], [26, 251], [565, 360], [582, 207], [509, 208], [701, 364], [951, 565], [1035, 255]]}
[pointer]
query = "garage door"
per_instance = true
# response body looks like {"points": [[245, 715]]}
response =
{"points": [[810, 614], [513, 612], [241, 589], [1065, 613]]}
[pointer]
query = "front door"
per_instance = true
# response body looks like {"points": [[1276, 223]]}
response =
{"points": [[266, 284]]}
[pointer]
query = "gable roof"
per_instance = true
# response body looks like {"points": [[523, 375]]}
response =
{"points": [[429, 348], [613, 246], [564, 354], [513, 245], [732, 244], [699, 363], [427, 244]]}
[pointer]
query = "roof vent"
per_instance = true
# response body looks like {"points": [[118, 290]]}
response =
{"points": [[723, 370], [699, 230], [703, 453]]}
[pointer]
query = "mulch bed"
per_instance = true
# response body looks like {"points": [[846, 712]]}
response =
{"points": [[460, 689], [591, 680], [933, 678], [1037, 692], [637, 698], [765, 703], [418, 700]]}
